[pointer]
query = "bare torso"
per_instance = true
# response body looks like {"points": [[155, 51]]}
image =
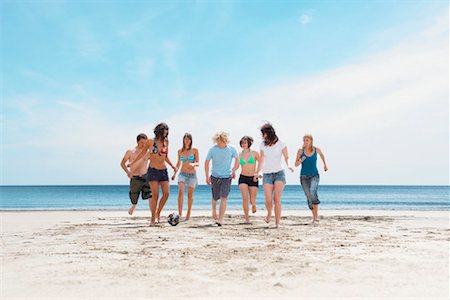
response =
{"points": [[140, 167], [157, 154], [186, 167], [249, 169]]}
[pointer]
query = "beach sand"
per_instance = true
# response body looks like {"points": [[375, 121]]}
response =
{"points": [[108, 254]]}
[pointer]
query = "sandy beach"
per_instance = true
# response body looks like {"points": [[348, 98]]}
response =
{"points": [[107, 254]]}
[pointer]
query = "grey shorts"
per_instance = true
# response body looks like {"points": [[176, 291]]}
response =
{"points": [[220, 187], [139, 185], [189, 179], [270, 178]]}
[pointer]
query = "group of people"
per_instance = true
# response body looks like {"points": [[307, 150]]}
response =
{"points": [[146, 166]]}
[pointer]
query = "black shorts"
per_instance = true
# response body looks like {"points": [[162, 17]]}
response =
{"points": [[157, 175], [139, 185], [248, 180]]}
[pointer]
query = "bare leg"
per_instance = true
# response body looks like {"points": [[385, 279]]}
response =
{"points": [[278, 190], [180, 197], [165, 187], [131, 209], [214, 211], [253, 193], [315, 212], [190, 202], [268, 191], [153, 201], [244, 192], [223, 208]]}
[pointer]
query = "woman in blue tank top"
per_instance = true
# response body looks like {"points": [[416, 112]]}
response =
{"points": [[309, 175]]}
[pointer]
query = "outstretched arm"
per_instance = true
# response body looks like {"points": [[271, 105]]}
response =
{"points": [[177, 166], [143, 152], [322, 157], [299, 159], [175, 169], [286, 159], [235, 167], [125, 158], [208, 180], [260, 163], [196, 160]]}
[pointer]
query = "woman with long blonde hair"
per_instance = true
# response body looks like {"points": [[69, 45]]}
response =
{"points": [[309, 174]]}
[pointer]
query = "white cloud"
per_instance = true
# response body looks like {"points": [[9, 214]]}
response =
{"points": [[305, 19], [382, 119]]}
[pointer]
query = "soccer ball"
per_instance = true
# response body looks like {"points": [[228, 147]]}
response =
{"points": [[173, 219]]}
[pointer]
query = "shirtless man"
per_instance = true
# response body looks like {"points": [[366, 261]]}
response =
{"points": [[137, 172]]}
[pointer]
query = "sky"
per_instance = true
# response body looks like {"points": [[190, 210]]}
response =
{"points": [[369, 79]]}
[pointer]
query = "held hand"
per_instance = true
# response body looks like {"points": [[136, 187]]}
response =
{"points": [[291, 169], [175, 169], [233, 175], [208, 181], [173, 177]]}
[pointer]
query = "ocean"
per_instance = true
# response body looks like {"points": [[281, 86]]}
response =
{"points": [[115, 197]]}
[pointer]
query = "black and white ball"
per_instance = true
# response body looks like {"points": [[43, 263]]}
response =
{"points": [[173, 219]]}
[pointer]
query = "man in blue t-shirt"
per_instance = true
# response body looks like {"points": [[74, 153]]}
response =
{"points": [[221, 155]]}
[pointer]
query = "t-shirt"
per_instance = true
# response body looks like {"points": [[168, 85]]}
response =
{"points": [[272, 157], [221, 160]]}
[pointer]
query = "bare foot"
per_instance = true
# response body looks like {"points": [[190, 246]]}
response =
{"points": [[131, 210], [253, 208], [267, 219]]}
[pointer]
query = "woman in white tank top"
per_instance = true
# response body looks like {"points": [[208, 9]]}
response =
{"points": [[274, 178]]}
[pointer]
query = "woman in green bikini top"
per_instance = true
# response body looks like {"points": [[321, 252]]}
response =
{"points": [[248, 180]]}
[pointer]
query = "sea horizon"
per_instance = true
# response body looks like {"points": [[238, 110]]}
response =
{"points": [[332, 197]]}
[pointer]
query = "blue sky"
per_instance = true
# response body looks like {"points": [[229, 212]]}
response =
{"points": [[82, 79]]}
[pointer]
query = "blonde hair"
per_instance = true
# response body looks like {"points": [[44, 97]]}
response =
{"points": [[309, 136], [221, 137]]}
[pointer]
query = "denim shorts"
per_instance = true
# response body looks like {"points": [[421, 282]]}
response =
{"points": [[310, 185], [270, 178], [187, 178]]}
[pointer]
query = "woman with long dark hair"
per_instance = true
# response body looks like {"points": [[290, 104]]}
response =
{"points": [[274, 179], [157, 175], [188, 160]]}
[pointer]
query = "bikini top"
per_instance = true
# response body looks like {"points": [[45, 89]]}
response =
{"points": [[191, 158], [250, 161], [156, 150]]}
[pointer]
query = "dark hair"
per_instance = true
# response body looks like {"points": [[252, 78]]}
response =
{"points": [[141, 136], [248, 139], [189, 136], [159, 131], [271, 138]]}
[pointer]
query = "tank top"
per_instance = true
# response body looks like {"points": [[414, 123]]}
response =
{"points": [[309, 165]]}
